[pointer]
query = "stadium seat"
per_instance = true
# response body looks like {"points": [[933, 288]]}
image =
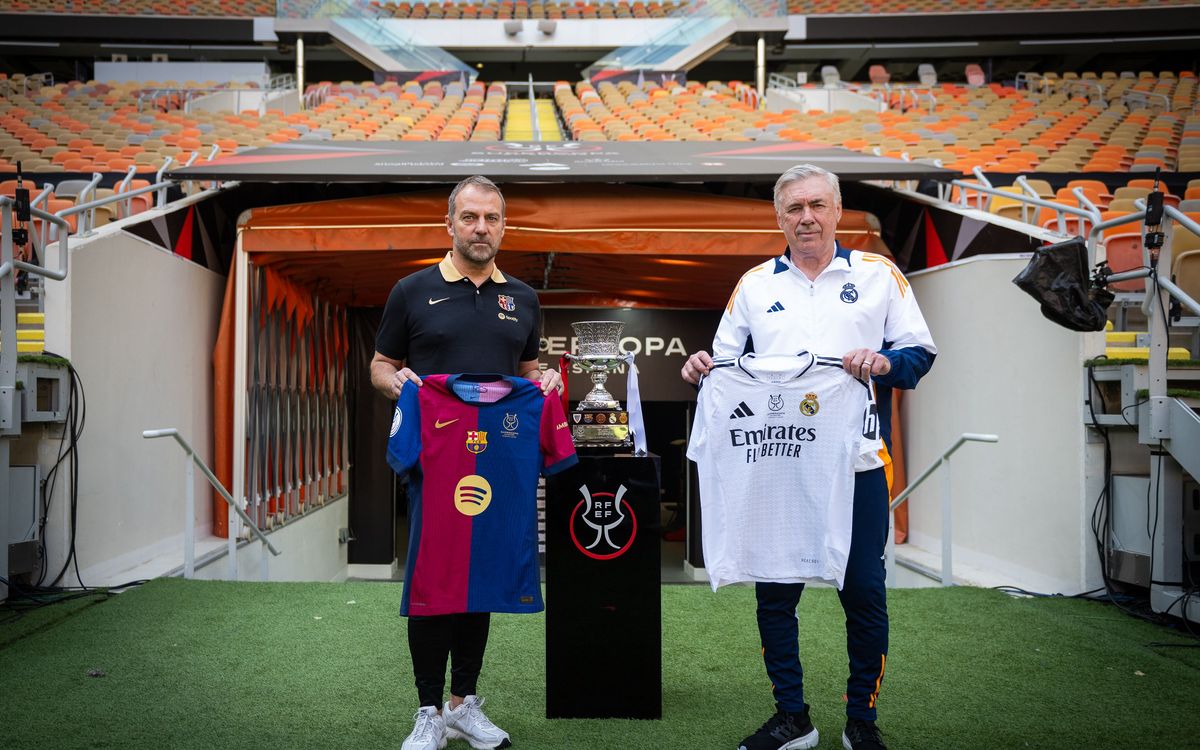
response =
{"points": [[1123, 252], [1186, 273], [1123, 205]]}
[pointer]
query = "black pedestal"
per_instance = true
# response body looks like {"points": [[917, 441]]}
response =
{"points": [[603, 613]]}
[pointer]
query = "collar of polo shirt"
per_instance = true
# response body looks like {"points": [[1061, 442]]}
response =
{"points": [[450, 273]]}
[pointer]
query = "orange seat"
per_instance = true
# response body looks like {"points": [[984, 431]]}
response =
{"points": [[1123, 252], [140, 202], [1132, 226]]}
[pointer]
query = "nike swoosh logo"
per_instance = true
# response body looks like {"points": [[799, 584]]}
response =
{"points": [[433, 301], [439, 424]]}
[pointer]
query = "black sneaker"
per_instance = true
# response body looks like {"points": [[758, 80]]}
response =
{"points": [[783, 731], [862, 735]]}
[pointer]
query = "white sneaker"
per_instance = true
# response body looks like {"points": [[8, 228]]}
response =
{"points": [[429, 732], [468, 722]]}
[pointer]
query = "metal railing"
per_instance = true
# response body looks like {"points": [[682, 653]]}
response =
{"points": [[911, 97], [316, 95], [1092, 89], [1087, 209], [947, 575], [123, 198], [281, 82], [1028, 78], [1147, 267], [119, 197], [534, 126], [780, 81], [1145, 99], [297, 426], [189, 522]]}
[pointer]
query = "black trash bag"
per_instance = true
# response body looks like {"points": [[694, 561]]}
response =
{"points": [[1057, 277]]}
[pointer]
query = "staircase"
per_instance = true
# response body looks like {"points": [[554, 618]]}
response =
{"points": [[538, 122]]}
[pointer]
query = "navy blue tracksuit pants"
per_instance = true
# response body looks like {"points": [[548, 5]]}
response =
{"points": [[864, 601]]}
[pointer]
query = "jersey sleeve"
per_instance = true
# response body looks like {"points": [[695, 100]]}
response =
{"points": [[558, 452], [908, 345], [392, 339], [404, 441], [734, 329]]}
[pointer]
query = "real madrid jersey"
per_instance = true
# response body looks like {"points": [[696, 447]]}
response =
{"points": [[775, 439], [473, 447]]}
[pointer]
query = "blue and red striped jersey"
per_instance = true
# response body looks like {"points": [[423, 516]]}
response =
{"points": [[473, 447]]}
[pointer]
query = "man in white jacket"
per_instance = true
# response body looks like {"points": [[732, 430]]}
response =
{"points": [[825, 299]]}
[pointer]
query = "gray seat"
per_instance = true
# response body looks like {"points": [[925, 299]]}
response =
{"points": [[70, 188]]}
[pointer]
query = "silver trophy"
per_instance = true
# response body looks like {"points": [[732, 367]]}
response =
{"points": [[599, 420]]}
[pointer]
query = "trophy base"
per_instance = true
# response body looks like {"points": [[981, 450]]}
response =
{"points": [[607, 428]]}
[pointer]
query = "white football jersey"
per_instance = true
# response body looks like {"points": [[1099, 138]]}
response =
{"points": [[775, 440]]}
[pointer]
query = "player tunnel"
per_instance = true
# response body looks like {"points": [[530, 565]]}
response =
{"points": [[296, 420]]}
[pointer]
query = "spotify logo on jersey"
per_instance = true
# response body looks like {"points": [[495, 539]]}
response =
{"points": [[473, 495]]}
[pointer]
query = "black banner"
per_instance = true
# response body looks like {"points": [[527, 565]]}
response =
{"points": [[566, 161], [603, 607]]}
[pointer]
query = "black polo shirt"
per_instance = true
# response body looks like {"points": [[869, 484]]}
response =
{"points": [[438, 322]]}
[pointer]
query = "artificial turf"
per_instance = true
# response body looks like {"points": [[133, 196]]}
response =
{"points": [[195, 664]]}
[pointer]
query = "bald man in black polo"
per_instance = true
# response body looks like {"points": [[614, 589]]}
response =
{"points": [[462, 315]]}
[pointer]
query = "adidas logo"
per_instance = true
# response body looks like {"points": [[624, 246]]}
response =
{"points": [[777, 307], [741, 411]]}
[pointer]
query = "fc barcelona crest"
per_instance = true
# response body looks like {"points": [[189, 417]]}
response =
{"points": [[507, 303], [476, 441]]}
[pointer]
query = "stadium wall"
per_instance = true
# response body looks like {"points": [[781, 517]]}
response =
{"points": [[1021, 507], [222, 72], [308, 550], [138, 324]]}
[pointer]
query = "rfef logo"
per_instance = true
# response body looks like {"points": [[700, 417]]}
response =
{"points": [[602, 524]]}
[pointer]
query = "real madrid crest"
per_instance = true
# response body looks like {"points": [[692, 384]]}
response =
{"points": [[849, 294], [809, 406]]}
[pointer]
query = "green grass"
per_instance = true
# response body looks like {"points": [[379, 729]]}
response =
{"points": [[192, 664]]}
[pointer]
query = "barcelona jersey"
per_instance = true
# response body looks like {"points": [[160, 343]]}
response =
{"points": [[473, 447]]}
